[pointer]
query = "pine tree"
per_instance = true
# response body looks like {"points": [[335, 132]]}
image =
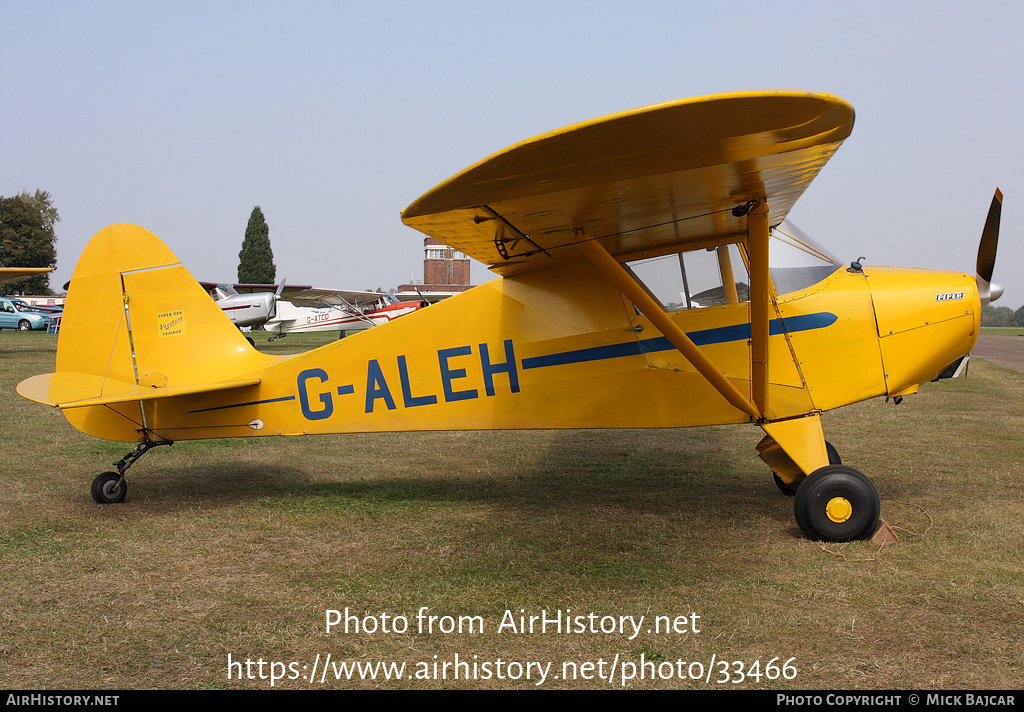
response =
{"points": [[256, 260]]}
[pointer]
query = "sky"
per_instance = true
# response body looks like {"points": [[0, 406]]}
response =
{"points": [[334, 116]]}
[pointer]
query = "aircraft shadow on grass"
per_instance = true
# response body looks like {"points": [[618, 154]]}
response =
{"points": [[576, 474]]}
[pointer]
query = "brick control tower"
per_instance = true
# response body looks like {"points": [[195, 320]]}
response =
{"points": [[445, 273]]}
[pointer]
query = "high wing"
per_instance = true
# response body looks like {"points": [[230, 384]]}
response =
{"points": [[641, 182], [333, 297], [286, 290], [13, 274], [304, 295]]}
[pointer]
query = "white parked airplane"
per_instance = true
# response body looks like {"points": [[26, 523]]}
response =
{"points": [[336, 310], [246, 304], [285, 309]]}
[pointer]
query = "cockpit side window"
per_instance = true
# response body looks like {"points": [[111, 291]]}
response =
{"points": [[697, 278], [712, 276]]}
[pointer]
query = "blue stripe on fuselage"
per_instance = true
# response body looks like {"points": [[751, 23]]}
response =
{"points": [[241, 405], [705, 337]]}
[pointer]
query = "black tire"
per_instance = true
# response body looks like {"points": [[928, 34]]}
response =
{"points": [[837, 503], [790, 489], [109, 488], [23, 325]]}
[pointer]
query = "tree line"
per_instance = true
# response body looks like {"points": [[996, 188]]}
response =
{"points": [[1001, 316], [28, 239]]}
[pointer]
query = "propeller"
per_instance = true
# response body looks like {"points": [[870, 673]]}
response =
{"points": [[988, 290], [272, 307]]}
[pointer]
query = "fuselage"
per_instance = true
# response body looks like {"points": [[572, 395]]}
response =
{"points": [[562, 348], [291, 319], [248, 309]]}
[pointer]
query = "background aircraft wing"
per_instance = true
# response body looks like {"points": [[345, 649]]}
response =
{"points": [[646, 181], [309, 296], [257, 288], [304, 295], [13, 274]]}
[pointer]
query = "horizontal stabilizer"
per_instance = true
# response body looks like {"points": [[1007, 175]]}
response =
{"points": [[68, 390]]}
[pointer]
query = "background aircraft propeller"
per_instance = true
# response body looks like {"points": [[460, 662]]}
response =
{"points": [[272, 307]]}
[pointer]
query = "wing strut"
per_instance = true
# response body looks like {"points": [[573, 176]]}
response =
{"points": [[760, 303], [608, 265]]}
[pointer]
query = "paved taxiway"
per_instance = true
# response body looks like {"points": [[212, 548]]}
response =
{"points": [[1005, 351]]}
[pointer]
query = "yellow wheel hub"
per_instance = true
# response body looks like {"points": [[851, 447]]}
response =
{"points": [[839, 509]]}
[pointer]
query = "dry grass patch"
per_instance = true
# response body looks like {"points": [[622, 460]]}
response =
{"points": [[240, 546]]}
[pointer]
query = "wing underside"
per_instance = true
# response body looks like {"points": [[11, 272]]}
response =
{"points": [[642, 182]]}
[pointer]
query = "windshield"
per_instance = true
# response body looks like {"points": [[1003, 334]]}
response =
{"points": [[796, 261]]}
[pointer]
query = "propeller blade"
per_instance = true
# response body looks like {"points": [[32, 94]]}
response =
{"points": [[280, 287], [990, 238], [987, 251]]}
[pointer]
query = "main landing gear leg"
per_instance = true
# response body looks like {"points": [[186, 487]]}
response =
{"points": [[833, 502], [111, 487]]}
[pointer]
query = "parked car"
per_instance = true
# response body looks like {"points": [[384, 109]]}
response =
{"points": [[22, 305], [21, 316]]}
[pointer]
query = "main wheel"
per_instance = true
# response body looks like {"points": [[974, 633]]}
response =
{"points": [[789, 489], [109, 488], [23, 325], [837, 503]]}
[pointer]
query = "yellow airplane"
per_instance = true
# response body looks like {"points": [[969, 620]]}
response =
{"points": [[648, 280]]}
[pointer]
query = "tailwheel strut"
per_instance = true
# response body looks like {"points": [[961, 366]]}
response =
{"points": [[111, 487]]}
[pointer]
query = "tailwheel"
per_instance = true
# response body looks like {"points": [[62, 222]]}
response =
{"points": [[789, 489], [109, 488], [837, 503]]}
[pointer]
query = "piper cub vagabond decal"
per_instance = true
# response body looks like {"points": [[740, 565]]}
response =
{"points": [[648, 279]]}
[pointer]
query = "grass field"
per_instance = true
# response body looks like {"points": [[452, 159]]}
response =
{"points": [[241, 547]]}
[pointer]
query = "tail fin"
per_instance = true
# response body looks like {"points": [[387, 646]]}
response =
{"points": [[135, 320]]}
